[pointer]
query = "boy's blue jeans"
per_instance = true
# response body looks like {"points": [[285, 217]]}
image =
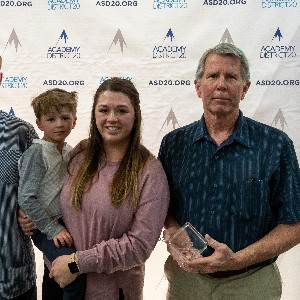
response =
{"points": [[76, 289]]}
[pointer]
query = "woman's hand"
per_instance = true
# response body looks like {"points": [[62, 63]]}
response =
{"points": [[60, 271], [63, 238]]}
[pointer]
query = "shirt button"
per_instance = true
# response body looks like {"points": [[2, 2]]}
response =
{"points": [[216, 156], [215, 185], [212, 212]]}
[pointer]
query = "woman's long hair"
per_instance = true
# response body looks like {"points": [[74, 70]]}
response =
{"points": [[125, 181]]}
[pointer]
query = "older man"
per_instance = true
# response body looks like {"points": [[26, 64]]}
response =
{"points": [[17, 266], [237, 181]]}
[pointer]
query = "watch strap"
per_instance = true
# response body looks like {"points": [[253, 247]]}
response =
{"points": [[73, 266]]}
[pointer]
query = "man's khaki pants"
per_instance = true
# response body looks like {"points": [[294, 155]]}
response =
{"points": [[258, 284]]}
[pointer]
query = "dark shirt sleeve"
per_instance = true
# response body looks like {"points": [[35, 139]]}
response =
{"points": [[287, 190]]}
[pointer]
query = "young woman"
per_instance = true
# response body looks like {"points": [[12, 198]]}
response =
{"points": [[114, 200]]}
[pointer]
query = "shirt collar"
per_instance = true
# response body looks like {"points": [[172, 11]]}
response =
{"points": [[200, 130], [50, 145], [240, 132]]}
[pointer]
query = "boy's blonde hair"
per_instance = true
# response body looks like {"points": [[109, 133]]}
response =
{"points": [[54, 100]]}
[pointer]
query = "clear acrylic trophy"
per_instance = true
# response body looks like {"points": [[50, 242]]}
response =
{"points": [[187, 243]]}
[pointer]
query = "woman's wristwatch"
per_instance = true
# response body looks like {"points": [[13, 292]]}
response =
{"points": [[73, 266]]}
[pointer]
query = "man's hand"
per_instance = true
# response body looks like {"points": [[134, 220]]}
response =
{"points": [[60, 271], [25, 223], [63, 238], [176, 255], [223, 259], [168, 233], [171, 227]]}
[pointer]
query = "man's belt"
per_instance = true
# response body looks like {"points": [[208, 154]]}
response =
{"points": [[224, 274]]}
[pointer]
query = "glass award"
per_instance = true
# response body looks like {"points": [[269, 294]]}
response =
{"points": [[187, 243]]}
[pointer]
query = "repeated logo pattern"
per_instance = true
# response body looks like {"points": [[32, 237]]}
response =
{"points": [[160, 58], [63, 49], [277, 49], [119, 39]]}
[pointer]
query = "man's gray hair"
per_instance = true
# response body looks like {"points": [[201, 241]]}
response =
{"points": [[225, 49]]}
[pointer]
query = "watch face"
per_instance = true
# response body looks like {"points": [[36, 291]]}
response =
{"points": [[73, 267]]}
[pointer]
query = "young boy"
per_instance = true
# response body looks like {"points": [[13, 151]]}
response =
{"points": [[42, 171]]}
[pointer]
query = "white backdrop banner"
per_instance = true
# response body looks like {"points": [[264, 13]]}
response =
{"points": [[77, 44]]}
